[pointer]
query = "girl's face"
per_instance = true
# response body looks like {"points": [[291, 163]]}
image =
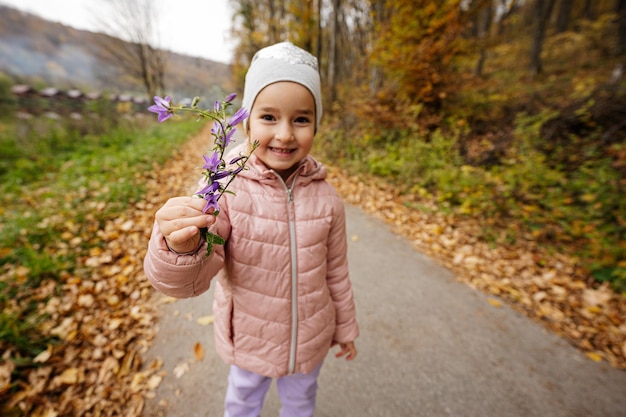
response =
{"points": [[282, 120]]}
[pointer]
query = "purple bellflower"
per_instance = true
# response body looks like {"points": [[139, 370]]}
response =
{"points": [[162, 108], [211, 163], [217, 174], [222, 133], [238, 117]]}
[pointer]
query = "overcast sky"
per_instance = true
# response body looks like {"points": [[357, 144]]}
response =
{"points": [[192, 27]]}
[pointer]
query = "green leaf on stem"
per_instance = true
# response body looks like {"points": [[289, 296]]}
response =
{"points": [[211, 239]]}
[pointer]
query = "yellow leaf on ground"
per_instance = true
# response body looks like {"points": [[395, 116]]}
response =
{"points": [[69, 376], [6, 369], [138, 381], [43, 356], [205, 320], [594, 356], [594, 309], [181, 369], [494, 302], [167, 300], [48, 412], [154, 382], [22, 272]]}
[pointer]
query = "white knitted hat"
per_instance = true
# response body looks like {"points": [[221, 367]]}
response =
{"points": [[282, 62]]}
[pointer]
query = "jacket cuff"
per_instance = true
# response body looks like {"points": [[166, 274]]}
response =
{"points": [[347, 332], [191, 252]]}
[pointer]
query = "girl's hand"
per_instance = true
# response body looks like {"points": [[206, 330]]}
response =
{"points": [[180, 220], [347, 348]]}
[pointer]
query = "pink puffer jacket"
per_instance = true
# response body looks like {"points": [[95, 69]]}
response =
{"points": [[283, 293]]}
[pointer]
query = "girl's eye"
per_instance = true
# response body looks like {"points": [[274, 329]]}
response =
{"points": [[267, 117], [302, 120]]}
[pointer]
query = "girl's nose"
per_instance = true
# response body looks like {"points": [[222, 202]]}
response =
{"points": [[284, 132]]}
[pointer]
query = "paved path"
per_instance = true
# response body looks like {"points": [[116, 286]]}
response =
{"points": [[429, 346]]}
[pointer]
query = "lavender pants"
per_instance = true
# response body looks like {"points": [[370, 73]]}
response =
{"points": [[246, 392]]}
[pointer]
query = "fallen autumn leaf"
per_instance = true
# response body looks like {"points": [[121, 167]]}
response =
{"points": [[198, 351]]}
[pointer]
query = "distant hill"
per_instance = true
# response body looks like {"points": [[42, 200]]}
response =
{"points": [[42, 53]]}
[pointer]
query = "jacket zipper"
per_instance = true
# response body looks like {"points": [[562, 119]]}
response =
{"points": [[294, 275]]}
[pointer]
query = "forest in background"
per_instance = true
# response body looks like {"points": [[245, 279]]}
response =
{"points": [[509, 111]]}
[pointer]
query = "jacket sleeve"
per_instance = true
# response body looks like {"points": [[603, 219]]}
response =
{"points": [[177, 275], [338, 278]]}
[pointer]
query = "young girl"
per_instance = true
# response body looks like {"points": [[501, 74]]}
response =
{"points": [[282, 294]]}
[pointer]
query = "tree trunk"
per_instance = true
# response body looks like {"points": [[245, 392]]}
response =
{"points": [[620, 9], [318, 46], [308, 21], [509, 8], [589, 11], [543, 9], [380, 17], [563, 16], [273, 24], [333, 53], [618, 71], [483, 24]]}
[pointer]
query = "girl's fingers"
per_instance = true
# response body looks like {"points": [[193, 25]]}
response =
{"points": [[182, 236], [179, 207], [347, 349], [183, 212], [168, 227]]}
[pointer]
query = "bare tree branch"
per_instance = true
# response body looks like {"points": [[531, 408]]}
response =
{"points": [[137, 52]]}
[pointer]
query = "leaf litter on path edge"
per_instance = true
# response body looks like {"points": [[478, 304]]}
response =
{"points": [[107, 322], [105, 315], [547, 287]]}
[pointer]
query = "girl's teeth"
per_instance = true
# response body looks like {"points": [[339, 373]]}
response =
{"points": [[282, 150]]}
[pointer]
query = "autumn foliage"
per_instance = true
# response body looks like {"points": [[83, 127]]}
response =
{"points": [[414, 49]]}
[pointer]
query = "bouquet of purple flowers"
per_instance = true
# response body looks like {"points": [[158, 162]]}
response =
{"points": [[217, 173]]}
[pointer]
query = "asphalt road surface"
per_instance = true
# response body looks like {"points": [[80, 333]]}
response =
{"points": [[429, 346]]}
